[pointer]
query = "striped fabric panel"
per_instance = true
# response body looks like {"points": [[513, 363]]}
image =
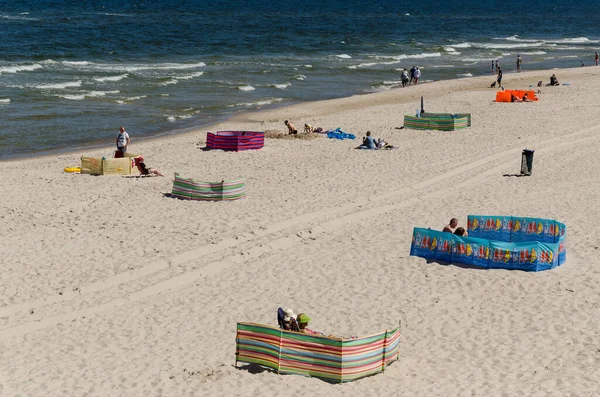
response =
{"points": [[435, 123], [449, 115], [190, 189], [330, 359], [234, 140]]}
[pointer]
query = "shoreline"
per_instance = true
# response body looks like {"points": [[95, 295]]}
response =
{"points": [[383, 97]]}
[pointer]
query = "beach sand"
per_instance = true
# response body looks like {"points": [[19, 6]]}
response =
{"points": [[111, 288]]}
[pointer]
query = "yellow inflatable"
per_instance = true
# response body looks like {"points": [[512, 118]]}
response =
{"points": [[72, 169]]}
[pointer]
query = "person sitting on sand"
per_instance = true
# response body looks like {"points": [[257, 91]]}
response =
{"points": [[554, 80], [451, 227], [291, 128], [145, 170], [303, 321], [368, 142], [460, 231], [287, 320]]}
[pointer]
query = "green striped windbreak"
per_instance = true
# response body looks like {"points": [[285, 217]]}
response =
{"points": [[330, 359], [438, 121]]}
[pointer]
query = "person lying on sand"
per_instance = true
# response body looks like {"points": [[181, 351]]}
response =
{"points": [[291, 128], [514, 98], [145, 170], [526, 98]]}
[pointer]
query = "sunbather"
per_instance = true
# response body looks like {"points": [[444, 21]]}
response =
{"points": [[287, 320], [451, 227], [303, 321], [460, 231], [145, 170], [368, 142]]}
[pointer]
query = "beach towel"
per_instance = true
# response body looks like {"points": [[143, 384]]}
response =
{"points": [[339, 134]]}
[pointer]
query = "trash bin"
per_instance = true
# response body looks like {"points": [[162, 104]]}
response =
{"points": [[527, 161]]}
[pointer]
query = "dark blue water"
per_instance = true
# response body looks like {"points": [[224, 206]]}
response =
{"points": [[72, 72]]}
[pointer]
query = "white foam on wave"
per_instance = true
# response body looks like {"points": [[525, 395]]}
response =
{"points": [[534, 53], [572, 40], [461, 45], [246, 88], [449, 49], [111, 78], [89, 94], [19, 17], [352, 67], [343, 56], [76, 63], [173, 119], [4, 101], [257, 103], [169, 82], [308, 66], [58, 86], [189, 76], [466, 75], [130, 99], [282, 86], [20, 68], [569, 56], [300, 77], [392, 82]]}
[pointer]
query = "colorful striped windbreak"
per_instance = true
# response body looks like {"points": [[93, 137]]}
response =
{"points": [[333, 360], [235, 140], [438, 121], [190, 189]]}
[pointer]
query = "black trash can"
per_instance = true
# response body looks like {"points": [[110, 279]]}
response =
{"points": [[527, 161]]}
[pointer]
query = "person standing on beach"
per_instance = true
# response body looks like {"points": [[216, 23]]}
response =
{"points": [[497, 66], [417, 75], [499, 77], [122, 140], [412, 74], [519, 63], [596, 58], [493, 69], [404, 77]]}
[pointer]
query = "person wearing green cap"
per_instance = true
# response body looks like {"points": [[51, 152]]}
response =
{"points": [[303, 321]]}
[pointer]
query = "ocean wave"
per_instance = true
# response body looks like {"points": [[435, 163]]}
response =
{"points": [[134, 67], [504, 46], [466, 75], [461, 45], [572, 40], [308, 66], [300, 77], [369, 64], [570, 56], [89, 94], [58, 86], [392, 82], [111, 78], [130, 99], [20, 68], [449, 49], [343, 56], [173, 119], [257, 103], [246, 88], [76, 63], [189, 76], [534, 53], [19, 17], [282, 86], [171, 81], [4, 101]]}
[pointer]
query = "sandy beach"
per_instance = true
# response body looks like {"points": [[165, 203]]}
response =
{"points": [[111, 288]]}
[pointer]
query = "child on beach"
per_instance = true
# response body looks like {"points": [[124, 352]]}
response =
{"points": [[291, 128]]}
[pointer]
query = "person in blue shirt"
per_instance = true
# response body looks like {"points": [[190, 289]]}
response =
{"points": [[368, 142]]}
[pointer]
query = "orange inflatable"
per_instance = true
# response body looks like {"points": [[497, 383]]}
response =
{"points": [[505, 96]]}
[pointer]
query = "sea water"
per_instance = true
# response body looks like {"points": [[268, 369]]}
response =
{"points": [[72, 73]]}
